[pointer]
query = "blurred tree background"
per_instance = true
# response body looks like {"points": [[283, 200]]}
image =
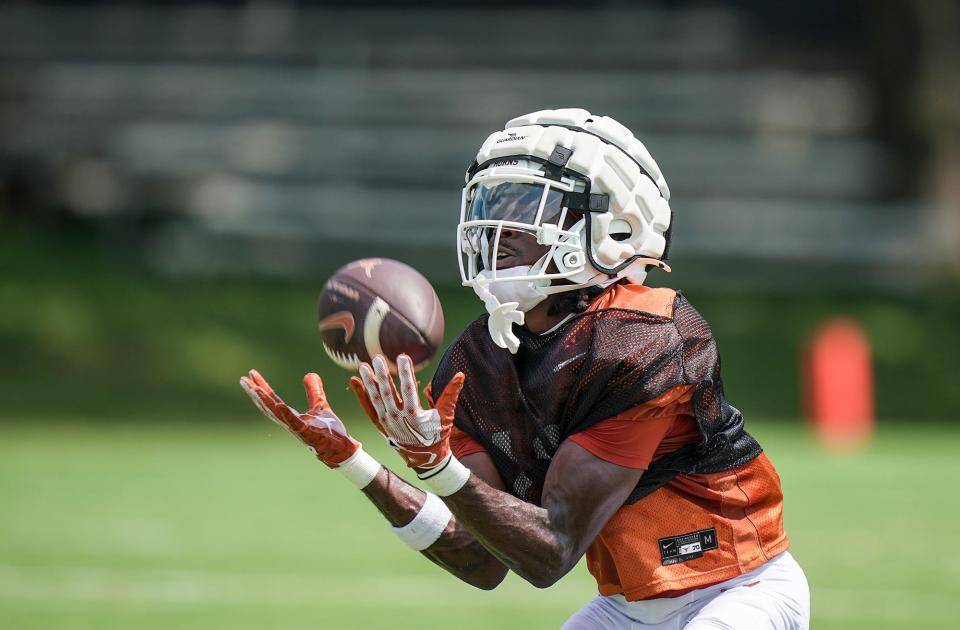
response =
{"points": [[87, 333], [177, 180]]}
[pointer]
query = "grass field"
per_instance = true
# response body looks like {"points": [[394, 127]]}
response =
{"points": [[231, 525]]}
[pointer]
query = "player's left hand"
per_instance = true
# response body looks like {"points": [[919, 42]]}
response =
{"points": [[421, 436], [319, 428]]}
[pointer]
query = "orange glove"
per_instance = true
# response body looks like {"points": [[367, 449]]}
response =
{"points": [[319, 428], [421, 436]]}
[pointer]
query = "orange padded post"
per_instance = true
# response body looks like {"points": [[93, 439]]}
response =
{"points": [[839, 385]]}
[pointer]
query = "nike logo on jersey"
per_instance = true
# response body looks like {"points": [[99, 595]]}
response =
{"points": [[562, 364], [340, 319], [685, 547]]}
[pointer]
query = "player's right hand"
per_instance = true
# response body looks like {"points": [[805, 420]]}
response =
{"points": [[319, 428], [421, 436]]}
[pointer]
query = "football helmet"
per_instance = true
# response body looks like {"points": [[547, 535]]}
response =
{"points": [[583, 186]]}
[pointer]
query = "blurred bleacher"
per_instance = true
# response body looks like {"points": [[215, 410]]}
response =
{"points": [[278, 137]]}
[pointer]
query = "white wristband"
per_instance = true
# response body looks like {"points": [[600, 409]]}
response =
{"points": [[427, 526], [360, 468], [446, 478]]}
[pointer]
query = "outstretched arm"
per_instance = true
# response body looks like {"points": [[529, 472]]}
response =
{"points": [[542, 544], [456, 550]]}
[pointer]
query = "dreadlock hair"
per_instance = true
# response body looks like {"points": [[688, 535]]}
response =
{"points": [[574, 301]]}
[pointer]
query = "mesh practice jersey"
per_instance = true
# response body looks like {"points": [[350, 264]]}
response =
{"points": [[709, 506]]}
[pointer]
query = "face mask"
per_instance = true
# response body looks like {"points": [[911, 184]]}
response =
{"points": [[525, 293], [506, 302]]}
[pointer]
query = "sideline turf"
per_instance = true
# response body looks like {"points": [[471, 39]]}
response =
{"points": [[160, 525]]}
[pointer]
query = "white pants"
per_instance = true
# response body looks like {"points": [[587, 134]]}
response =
{"points": [[774, 596]]}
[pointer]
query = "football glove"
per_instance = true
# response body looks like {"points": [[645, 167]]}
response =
{"points": [[421, 436], [319, 428]]}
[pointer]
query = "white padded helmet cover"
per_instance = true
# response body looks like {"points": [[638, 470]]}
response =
{"points": [[611, 158]]}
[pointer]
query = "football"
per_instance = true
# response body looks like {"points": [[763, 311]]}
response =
{"points": [[379, 306]]}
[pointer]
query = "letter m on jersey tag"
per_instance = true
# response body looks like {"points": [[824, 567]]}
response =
{"points": [[686, 547]]}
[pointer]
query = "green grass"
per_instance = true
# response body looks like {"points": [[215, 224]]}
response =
{"points": [[153, 524]]}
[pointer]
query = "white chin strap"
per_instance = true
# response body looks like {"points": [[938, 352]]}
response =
{"points": [[506, 302]]}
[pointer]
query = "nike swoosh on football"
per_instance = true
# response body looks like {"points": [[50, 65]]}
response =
{"points": [[340, 319], [561, 365]]}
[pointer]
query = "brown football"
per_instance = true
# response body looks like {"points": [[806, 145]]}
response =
{"points": [[379, 306]]}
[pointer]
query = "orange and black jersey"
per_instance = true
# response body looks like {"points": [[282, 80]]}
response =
{"points": [[598, 364], [635, 381]]}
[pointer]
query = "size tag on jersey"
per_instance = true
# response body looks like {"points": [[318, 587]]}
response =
{"points": [[687, 546]]}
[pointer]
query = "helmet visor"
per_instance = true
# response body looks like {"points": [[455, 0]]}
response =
{"points": [[518, 202]]}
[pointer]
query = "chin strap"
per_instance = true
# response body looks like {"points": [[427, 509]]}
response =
{"points": [[502, 316], [653, 261]]}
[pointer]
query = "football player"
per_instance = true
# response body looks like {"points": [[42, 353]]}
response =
{"points": [[583, 413]]}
